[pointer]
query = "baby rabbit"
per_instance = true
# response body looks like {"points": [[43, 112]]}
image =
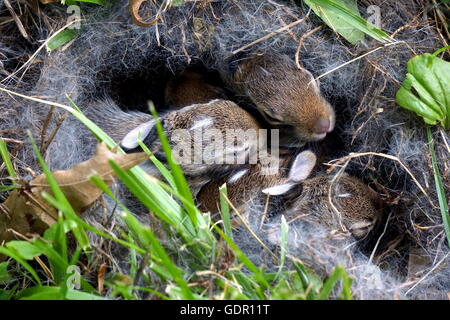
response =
{"points": [[354, 206], [189, 88], [285, 95], [202, 136], [216, 121]]}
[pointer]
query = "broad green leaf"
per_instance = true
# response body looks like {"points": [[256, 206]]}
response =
{"points": [[99, 2], [26, 250], [61, 39], [176, 293], [284, 290], [425, 89], [343, 16]]}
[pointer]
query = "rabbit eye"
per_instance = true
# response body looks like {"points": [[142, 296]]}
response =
{"points": [[271, 119]]}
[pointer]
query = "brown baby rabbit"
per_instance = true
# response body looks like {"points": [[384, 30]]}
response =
{"points": [[285, 95], [354, 206], [205, 138], [190, 88]]}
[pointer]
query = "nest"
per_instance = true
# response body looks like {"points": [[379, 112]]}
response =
{"points": [[387, 145]]}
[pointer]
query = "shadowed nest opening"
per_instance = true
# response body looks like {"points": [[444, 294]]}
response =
{"points": [[112, 58]]}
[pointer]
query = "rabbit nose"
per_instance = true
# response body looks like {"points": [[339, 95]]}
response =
{"points": [[323, 125]]}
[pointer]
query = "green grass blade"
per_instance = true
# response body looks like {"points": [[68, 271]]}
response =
{"points": [[7, 159], [6, 188], [158, 164], [284, 244], [243, 258], [225, 211], [87, 226], [439, 187], [147, 239], [144, 193], [346, 287], [61, 39], [180, 180], [330, 283]]}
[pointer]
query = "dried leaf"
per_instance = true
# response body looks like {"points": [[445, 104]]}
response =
{"points": [[17, 20], [26, 211], [135, 6]]}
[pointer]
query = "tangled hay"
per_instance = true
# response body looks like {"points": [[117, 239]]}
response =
{"points": [[408, 256]]}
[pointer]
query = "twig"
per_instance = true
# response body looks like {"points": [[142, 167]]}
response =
{"points": [[387, 156], [50, 103], [444, 138], [9, 140], [45, 126], [379, 239], [427, 274], [244, 222], [442, 18], [135, 5], [300, 42], [226, 280], [142, 266], [53, 134], [264, 215], [19, 23]]}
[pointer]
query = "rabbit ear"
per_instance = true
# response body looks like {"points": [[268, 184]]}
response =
{"points": [[279, 189], [130, 141], [302, 166], [300, 170]]}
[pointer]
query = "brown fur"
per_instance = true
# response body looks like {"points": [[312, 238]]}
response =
{"points": [[218, 114], [226, 115], [284, 94], [221, 115], [190, 88], [358, 206]]}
